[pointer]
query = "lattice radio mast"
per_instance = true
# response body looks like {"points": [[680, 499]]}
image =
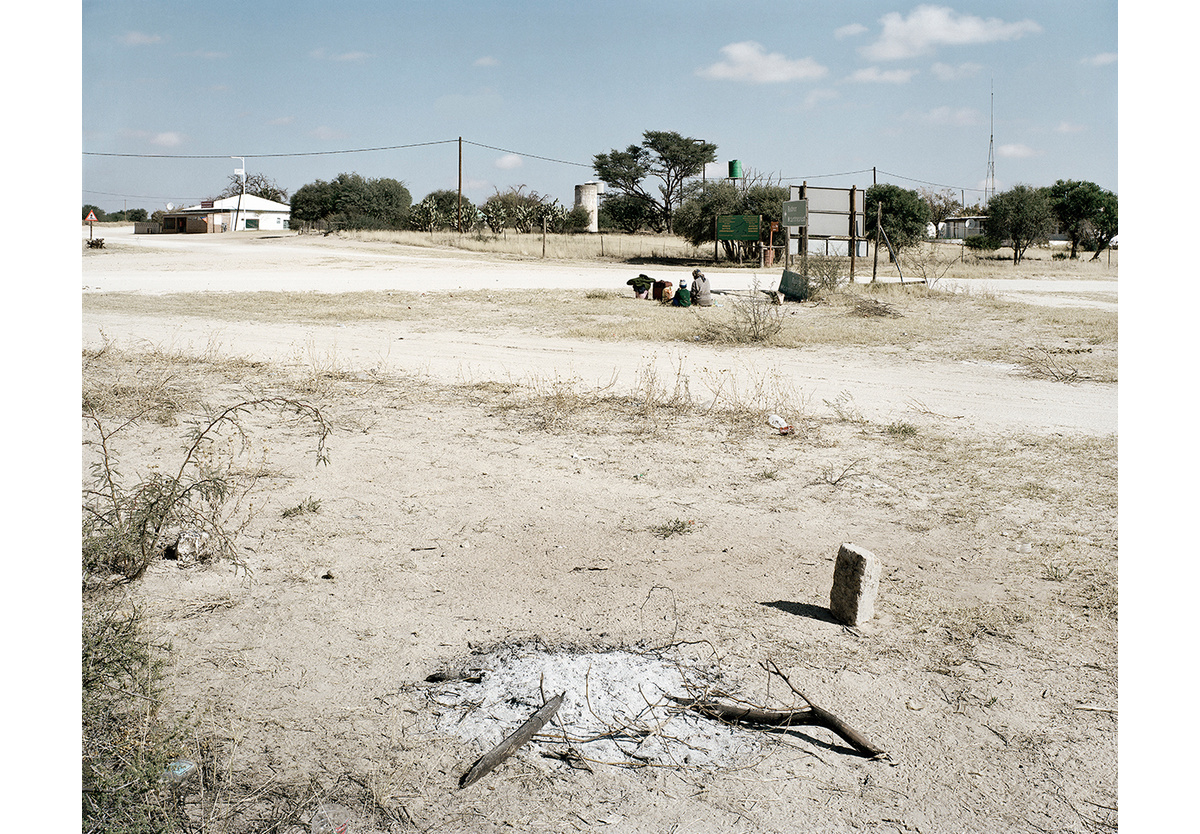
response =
{"points": [[989, 183]]}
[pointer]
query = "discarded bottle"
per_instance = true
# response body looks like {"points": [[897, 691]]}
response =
{"points": [[330, 819], [180, 774]]}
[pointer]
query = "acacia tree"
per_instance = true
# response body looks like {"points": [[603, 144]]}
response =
{"points": [[663, 155], [260, 185], [905, 215], [1021, 215]]}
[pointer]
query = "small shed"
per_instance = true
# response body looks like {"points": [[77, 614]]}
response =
{"points": [[961, 228]]}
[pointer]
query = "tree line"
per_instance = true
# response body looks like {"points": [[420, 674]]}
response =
{"points": [[653, 187]]}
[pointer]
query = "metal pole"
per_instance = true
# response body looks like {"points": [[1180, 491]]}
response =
{"points": [[460, 226]]}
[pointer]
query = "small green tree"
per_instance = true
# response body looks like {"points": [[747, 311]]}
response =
{"points": [[353, 202], [627, 213], [1076, 206], [1022, 215], [1103, 223], [905, 215]]}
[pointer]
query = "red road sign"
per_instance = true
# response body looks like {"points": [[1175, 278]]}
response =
{"points": [[91, 218]]}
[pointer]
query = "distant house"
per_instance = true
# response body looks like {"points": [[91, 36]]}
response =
{"points": [[241, 213], [961, 228]]}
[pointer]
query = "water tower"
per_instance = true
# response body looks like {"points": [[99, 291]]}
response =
{"points": [[588, 196]]}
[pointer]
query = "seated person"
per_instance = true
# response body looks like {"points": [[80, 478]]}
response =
{"points": [[683, 296], [701, 291]]}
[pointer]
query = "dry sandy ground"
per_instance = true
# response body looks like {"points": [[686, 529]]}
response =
{"points": [[465, 511]]}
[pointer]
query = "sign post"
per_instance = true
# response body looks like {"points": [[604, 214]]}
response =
{"points": [[91, 218]]}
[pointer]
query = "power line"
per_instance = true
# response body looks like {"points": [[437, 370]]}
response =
{"points": [[822, 176], [529, 155], [269, 155], [925, 182]]}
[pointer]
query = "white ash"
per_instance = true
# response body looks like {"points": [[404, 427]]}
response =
{"points": [[615, 709]]}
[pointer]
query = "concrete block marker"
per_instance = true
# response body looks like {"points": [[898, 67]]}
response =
{"points": [[855, 585]]}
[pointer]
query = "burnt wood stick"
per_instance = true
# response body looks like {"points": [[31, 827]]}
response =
{"points": [[811, 715], [506, 748]]}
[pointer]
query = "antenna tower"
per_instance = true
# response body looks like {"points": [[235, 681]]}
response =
{"points": [[989, 183]]}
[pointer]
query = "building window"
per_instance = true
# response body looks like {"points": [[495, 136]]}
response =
{"points": [[251, 223]]}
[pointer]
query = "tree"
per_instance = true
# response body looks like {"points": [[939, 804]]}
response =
{"points": [[905, 215], [1073, 203], [354, 202], [260, 185], [443, 204], [942, 206], [664, 155], [697, 214], [523, 211], [1104, 223], [627, 212], [1021, 215], [1077, 207]]}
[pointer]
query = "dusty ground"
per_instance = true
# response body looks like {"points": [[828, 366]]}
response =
{"points": [[483, 492]]}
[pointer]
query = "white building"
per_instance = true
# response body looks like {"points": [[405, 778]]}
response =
{"points": [[238, 213]]}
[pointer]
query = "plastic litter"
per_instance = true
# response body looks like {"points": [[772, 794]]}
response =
{"points": [[777, 422]]}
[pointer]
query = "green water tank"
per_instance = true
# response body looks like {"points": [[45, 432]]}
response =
{"points": [[735, 169]]}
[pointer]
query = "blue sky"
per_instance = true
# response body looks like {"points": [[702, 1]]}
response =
{"points": [[794, 90]]}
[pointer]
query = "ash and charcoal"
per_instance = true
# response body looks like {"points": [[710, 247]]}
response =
{"points": [[615, 710]]}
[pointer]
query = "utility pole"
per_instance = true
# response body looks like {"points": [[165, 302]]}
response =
{"points": [[460, 226], [241, 172]]}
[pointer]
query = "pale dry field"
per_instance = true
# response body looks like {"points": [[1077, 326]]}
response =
{"points": [[524, 455]]}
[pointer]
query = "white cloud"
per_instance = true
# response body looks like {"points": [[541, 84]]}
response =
{"points": [[947, 72], [873, 75], [1101, 60], [322, 54], [509, 161], [139, 39], [1068, 127], [167, 139], [1016, 151], [849, 31], [486, 61], [324, 132], [282, 120], [817, 96], [928, 27], [746, 61], [952, 116]]}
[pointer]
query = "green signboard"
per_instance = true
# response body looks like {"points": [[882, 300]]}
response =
{"points": [[795, 213], [739, 227]]}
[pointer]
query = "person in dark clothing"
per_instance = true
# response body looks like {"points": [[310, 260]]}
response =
{"points": [[701, 291], [683, 296]]}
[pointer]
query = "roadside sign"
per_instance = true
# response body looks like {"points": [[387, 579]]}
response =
{"points": [[739, 227], [91, 218], [795, 213]]}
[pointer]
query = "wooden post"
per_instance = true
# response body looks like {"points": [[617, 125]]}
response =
{"points": [[878, 229], [853, 231], [543, 237], [460, 228], [716, 244], [804, 233]]}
